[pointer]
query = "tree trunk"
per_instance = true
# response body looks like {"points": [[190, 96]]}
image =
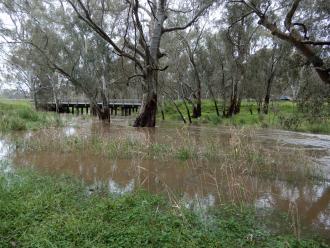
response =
{"points": [[187, 109], [197, 110], [57, 109], [148, 110], [223, 86], [235, 102], [35, 100], [147, 116], [216, 107], [267, 98], [104, 113], [214, 99], [270, 82], [179, 111]]}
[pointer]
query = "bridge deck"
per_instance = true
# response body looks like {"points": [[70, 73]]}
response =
{"points": [[125, 106], [113, 102]]}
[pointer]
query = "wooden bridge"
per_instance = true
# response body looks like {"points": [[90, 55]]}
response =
{"points": [[123, 106]]}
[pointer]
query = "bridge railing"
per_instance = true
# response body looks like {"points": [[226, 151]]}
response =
{"points": [[111, 101]]}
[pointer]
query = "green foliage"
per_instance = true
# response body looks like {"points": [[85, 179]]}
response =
{"points": [[183, 153], [48, 211], [212, 118], [292, 122], [281, 115], [19, 115]]}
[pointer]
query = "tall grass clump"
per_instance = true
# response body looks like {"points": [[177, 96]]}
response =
{"points": [[18, 116]]}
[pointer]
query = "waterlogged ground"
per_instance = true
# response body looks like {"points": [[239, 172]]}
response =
{"points": [[198, 166]]}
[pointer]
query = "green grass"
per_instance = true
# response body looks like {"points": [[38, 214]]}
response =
{"points": [[283, 115], [56, 211], [20, 115]]}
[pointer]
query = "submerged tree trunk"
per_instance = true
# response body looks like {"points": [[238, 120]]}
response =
{"points": [[147, 116], [148, 110], [104, 113]]}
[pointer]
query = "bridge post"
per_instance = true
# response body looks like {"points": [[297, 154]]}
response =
{"points": [[73, 109], [87, 109], [116, 110], [129, 110]]}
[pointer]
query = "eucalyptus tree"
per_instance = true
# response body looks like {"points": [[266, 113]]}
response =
{"points": [[192, 44], [263, 70], [302, 24], [62, 45], [240, 33], [141, 36], [213, 64], [19, 73]]}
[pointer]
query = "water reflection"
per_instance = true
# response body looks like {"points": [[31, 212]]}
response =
{"points": [[5, 148], [196, 185]]}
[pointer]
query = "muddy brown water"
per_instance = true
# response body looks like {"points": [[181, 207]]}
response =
{"points": [[195, 184]]}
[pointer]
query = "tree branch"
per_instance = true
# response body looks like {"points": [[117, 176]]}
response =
{"points": [[317, 43], [290, 14], [191, 22]]}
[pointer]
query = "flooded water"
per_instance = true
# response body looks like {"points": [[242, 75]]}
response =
{"points": [[198, 184]]}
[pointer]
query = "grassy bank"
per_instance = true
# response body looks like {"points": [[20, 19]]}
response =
{"points": [[48, 211], [282, 115], [20, 115]]}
